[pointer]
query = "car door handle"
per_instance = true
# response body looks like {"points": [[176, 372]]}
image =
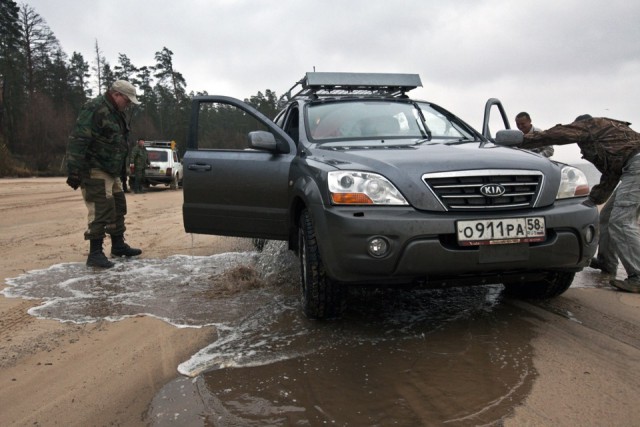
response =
{"points": [[199, 167]]}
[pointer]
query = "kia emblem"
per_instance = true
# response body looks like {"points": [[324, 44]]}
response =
{"points": [[492, 190]]}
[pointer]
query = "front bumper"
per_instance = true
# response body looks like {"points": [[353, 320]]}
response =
{"points": [[423, 246]]}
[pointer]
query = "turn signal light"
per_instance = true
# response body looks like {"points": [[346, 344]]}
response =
{"points": [[351, 199]]}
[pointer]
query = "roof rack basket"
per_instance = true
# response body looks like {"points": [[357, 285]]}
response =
{"points": [[323, 84], [161, 144]]}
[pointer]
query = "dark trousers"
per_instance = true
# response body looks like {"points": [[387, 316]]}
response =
{"points": [[138, 183]]}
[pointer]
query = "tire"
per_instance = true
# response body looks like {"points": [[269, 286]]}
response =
{"points": [[553, 285], [321, 296], [174, 182]]}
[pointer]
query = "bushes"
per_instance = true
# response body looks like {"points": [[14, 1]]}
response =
{"points": [[9, 167]]}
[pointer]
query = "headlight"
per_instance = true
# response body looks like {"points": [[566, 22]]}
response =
{"points": [[362, 188], [573, 183]]}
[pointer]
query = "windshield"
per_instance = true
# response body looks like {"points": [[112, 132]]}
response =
{"points": [[442, 125], [364, 120], [379, 119]]}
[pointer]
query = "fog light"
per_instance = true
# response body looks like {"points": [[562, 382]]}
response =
{"points": [[378, 247], [589, 234]]}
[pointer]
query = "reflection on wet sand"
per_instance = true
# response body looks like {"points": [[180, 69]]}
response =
{"points": [[412, 358]]}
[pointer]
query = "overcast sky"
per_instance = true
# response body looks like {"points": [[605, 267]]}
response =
{"points": [[554, 59]]}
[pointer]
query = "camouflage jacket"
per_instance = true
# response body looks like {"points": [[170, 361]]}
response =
{"points": [[546, 151], [139, 157], [606, 143], [99, 139]]}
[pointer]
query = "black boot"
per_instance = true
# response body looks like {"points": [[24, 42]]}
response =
{"points": [[120, 248], [97, 258]]}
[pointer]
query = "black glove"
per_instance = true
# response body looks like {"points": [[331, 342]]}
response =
{"points": [[74, 181]]}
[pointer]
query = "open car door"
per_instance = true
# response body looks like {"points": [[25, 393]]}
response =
{"points": [[489, 122], [236, 171]]}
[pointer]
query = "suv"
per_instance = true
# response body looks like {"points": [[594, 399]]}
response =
{"points": [[164, 164], [370, 187]]}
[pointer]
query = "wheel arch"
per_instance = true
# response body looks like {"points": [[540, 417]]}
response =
{"points": [[297, 206], [305, 192]]}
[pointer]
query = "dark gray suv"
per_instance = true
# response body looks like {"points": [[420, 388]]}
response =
{"points": [[371, 187]]}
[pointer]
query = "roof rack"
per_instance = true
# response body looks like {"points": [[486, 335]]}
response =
{"points": [[160, 144], [318, 84]]}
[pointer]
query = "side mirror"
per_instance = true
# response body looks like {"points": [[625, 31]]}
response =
{"points": [[262, 140], [509, 137]]}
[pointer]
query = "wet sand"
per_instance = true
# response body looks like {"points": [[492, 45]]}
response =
{"points": [[577, 363], [103, 373]]}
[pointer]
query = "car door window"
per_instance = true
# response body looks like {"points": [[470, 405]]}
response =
{"points": [[225, 127]]}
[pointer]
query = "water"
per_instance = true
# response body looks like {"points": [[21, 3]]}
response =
{"points": [[238, 293], [456, 356], [420, 357], [168, 289]]}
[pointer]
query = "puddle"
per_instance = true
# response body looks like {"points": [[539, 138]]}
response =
{"points": [[411, 357], [455, 357]]}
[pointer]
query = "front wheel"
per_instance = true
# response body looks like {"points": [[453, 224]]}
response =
{"points": [[554, 284], [322, 297]]}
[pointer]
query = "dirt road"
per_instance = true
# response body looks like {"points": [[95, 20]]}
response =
{"points": [[586, 345]]}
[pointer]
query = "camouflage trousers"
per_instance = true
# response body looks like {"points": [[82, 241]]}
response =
{"points": [[139, 180], [107, 206], [619, 229]]}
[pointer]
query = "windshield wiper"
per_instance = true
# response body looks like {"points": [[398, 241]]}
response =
{"points": [[462, 140], [424, 122]]}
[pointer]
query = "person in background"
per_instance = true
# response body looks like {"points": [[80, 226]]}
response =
{"points": [[614, 149], [523, 122], [138, 163], [96, 154]]}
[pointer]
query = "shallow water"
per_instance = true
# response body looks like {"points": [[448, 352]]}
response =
{"points": [[412, 357]]}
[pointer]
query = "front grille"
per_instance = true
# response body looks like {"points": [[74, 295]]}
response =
{"points": [[460, 190]]}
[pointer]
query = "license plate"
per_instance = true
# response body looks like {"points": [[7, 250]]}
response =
{"points": [[501, 231]]}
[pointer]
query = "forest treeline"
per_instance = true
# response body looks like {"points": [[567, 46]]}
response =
{"points": [[42, 89]]}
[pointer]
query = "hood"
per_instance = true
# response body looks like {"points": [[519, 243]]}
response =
{"points": [[404, 165]]}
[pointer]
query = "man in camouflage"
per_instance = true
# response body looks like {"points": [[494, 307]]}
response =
{"points": [[139, 162], [614, 149], [96, 153]]}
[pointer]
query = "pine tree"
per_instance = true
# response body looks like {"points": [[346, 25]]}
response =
{"points": [[10, 64], [125, 70], [167, 76], [38, 47]]}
